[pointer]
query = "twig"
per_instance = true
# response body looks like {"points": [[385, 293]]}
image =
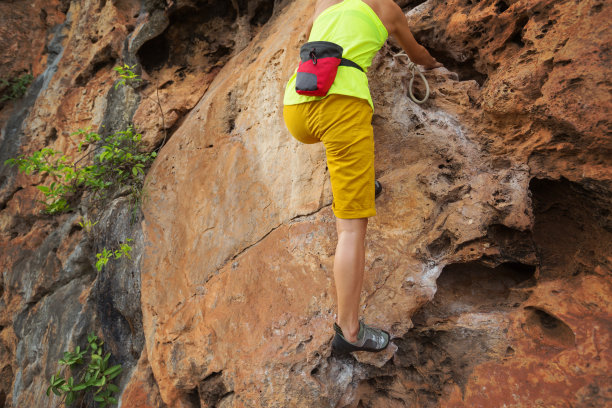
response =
{"points": [[87, 154]]}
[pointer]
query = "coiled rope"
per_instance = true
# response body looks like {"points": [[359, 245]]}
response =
{"points": [[413, 68]]}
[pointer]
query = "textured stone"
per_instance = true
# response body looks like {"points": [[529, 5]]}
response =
{"points": [[50, 297], [25, 31], [457, 180], [141, 390], [488, 262]]}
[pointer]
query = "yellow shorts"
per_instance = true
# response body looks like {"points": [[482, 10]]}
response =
{"points": [[344, 125]]}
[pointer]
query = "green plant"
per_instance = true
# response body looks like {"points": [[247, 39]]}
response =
{"points": [[15, 88], [93, 376], [104, 256], [118, 162], [126, 75], [87, 224]]}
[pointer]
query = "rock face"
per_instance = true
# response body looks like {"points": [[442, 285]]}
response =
{"points": [[489, 261]]}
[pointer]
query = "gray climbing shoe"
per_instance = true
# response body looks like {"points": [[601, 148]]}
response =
{"points": [[368, 339], [377, 188]]}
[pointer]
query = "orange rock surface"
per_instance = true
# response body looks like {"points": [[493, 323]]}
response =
{"points": [[489, 261]]}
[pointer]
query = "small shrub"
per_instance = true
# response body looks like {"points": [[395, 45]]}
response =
{"points": [[15, 88], [104, 256], [126, 75], [93, 377], [87, 224], [118, 163]]}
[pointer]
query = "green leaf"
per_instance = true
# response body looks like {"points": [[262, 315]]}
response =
{"points": [[70, 397], [98, 398], [80, 387], [113, 369], [112, 388], [112, 400], [100, 382], [56, 391]]}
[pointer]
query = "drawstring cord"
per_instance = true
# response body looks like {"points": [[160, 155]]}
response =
{"points": [[413, 68], [313, 56]]}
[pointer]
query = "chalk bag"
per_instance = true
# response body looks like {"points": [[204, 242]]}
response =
{"points": [[318, 67]]}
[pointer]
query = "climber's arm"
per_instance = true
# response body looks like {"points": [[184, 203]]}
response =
{"points": [[396, 23]]}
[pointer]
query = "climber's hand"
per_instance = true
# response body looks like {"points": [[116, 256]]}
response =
{"points": [[435, 64]]}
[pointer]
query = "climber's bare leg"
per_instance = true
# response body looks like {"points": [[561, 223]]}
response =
{"points": [[349, 264]]}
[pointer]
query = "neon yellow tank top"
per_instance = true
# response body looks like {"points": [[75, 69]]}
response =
{"points": [[357, 29]]}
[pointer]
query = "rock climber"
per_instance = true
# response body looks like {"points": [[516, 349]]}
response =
{"points": [[342, 121]]}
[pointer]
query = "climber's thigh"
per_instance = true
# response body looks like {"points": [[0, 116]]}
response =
{"points": [[345, 128], [299, 120]]}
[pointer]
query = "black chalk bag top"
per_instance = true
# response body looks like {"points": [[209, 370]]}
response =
{"points": [[318, 67]]}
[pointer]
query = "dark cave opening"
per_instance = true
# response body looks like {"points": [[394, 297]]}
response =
{"points": [[473, 287], [543, 325], [501, 6], [194, 37], [517, 34], [201, 12], [263, 12], [212, 389], [572, 228], [512, 243], [243, 6], [441, 245], [466, 70], [194, 398], [154, 53]]}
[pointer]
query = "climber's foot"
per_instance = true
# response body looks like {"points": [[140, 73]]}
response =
{"points": [[377, 188], [368, 339]]}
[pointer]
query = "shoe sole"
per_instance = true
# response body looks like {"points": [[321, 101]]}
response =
{"points": [[342, 347]]}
